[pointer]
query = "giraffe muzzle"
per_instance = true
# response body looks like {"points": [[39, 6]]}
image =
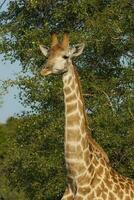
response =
{"points": [[45, 72]]}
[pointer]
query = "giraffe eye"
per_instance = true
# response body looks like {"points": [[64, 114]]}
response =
{"points": [[65, 57]]}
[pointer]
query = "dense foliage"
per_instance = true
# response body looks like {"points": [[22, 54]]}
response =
{"points": [[33, 165]]}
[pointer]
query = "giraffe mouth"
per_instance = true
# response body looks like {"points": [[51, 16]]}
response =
{"points": [[45, 72], [59, 72]]}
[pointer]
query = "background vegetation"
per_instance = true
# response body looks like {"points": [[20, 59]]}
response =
{"points": [[31, 147]]}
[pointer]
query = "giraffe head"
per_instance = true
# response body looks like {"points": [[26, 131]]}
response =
{"points": [[59, 55]]}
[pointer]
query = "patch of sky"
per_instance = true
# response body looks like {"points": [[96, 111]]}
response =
{"points": [[10, 105]]}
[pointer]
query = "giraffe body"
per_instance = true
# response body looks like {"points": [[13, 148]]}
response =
{"points": [[89, 174]]}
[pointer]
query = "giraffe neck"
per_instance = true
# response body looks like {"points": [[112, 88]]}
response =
{"points": [[79, 144], [73, 98], [84, 157], [76, 139]]}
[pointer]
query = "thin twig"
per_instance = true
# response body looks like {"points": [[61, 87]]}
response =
{"points": [[108, 98], [110, 103], [130, 112], [2, 4]]}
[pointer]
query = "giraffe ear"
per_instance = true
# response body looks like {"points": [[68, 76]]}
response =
{"points": [[43, 50], [77, 50]]}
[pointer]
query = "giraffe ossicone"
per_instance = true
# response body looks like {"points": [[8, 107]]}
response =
{"points": [[89, 174]]}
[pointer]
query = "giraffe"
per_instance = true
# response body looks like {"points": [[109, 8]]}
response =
{"points": [[89, 173]]}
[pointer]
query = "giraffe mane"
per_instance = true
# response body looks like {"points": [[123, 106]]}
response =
{"points": [[94, 143]]}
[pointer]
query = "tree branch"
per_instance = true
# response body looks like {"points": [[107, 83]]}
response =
{"points": [[2, 4], [110, 103], [130, 112]]}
